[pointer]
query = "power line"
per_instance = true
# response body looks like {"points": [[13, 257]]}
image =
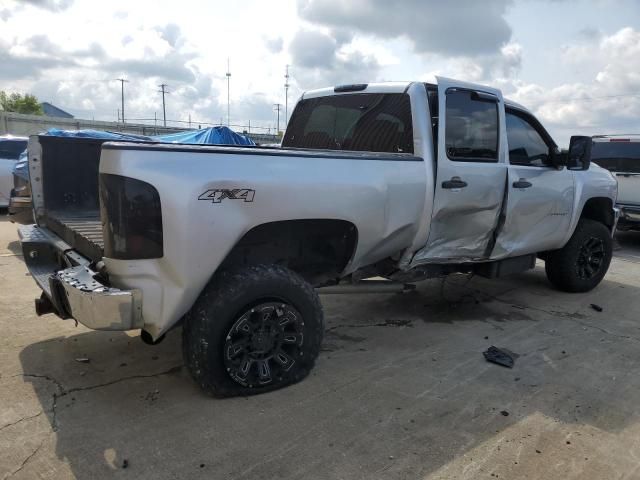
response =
{"points": [[589, 99], [163, 86], [122, 82]]}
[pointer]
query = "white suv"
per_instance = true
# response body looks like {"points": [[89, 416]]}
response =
{"points": [[620, 154]]}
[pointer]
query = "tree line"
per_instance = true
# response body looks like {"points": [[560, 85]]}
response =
{"points": [[15, 102]]}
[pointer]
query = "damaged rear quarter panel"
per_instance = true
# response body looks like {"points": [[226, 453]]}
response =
{"points": [[381, 198]]}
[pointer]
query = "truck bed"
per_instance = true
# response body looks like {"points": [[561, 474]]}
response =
{"points": [[71, 208], [81, 230]]}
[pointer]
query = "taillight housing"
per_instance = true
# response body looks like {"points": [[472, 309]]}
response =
{"points": [[131, 218]]}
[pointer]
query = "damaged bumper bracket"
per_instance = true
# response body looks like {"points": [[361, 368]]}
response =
{"points": [[73, 287]]}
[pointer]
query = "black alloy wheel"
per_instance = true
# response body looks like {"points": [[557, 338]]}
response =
{"points": [[590, 258], [264, 343]]}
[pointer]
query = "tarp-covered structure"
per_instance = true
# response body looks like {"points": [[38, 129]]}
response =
{"points": [[206, 136]]}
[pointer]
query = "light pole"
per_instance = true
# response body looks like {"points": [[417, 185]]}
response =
{"points": [[277, 109], [228, 95], [122, 82], [286, 96], [163, 90]]}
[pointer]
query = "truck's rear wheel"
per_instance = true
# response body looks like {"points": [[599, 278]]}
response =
{"points": [[583, 262], [252, 331]]}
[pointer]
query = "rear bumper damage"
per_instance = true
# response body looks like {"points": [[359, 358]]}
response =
{"points": [[72, 288]]}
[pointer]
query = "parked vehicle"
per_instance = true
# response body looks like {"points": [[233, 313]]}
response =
{"points": [[406, 181], [10, 149], [620, 154]]}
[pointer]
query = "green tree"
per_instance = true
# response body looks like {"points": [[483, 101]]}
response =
{"points": [[15, 102]]}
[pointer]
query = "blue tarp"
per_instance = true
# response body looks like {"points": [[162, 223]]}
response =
{"points": [[205, 136], [54, 132], [21, 167]]}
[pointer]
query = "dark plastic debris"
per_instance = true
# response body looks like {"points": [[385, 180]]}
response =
{"points": [[499, 356], [504, 413], [125, 463], [597, 308]]}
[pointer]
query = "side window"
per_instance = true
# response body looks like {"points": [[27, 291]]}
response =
{"points": [[471, 131], [526, 145]]}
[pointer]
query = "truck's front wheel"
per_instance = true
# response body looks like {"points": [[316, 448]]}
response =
{"points": [[583, 262], [252, 331]]}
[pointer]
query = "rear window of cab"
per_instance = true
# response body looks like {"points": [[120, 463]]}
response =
{"points": [[367, 122]]}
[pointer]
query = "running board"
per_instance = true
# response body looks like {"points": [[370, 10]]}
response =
{"points": [[508, 266], [367, 286]]}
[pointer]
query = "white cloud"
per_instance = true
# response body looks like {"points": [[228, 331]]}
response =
{"points": [[609, 102], [65, 53]]}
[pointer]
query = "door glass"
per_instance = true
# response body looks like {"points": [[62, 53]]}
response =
{"points": [[471, 131], [526, 145]]}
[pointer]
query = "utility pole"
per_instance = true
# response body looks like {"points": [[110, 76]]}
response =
{"points": [[286, 96], [276, 107], [163, 90], [228, 94], [122, 82]]}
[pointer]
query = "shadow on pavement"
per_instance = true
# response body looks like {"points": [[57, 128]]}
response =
{"points": [[409, 395]]}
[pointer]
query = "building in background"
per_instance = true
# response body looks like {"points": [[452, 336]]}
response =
{"points": [[51, 110]]}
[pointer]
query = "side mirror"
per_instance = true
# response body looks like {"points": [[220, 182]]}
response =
{"points": [[579, 153]]}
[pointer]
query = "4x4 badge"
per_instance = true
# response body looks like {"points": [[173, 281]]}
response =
{"points": [[216, 196]]}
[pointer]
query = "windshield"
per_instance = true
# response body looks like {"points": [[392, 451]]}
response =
{"points": [[617, 156], [11, 149], [369, 122]]}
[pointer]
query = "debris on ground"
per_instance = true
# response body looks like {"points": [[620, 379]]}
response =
{"points": [[83, 360], [596, 307], [504, 413], [500, 356], [125, 463]]}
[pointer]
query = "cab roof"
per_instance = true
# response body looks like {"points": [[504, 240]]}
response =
{"points": [[390, 87]]}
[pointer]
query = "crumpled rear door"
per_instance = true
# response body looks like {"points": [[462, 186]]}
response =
{"points": [[471, 174]]}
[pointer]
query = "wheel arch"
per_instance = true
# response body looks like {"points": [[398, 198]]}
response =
{"points": [[599, 209], [317, 249]]}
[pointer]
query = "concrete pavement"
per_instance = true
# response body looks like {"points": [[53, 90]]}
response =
{"points": [[400, 391]]}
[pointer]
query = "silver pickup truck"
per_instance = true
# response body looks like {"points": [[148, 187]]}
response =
{"points": [[405, 181]]}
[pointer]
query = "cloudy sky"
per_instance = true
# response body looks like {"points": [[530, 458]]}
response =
{"points": [[576, 63]]}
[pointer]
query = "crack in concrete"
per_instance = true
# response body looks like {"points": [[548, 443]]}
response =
{"points": [[63, 392], [21, 420], [123, 379], [25, 461]]}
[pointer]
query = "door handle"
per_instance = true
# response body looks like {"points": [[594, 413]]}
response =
{"points": [[522, 183], [455, 182]]}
